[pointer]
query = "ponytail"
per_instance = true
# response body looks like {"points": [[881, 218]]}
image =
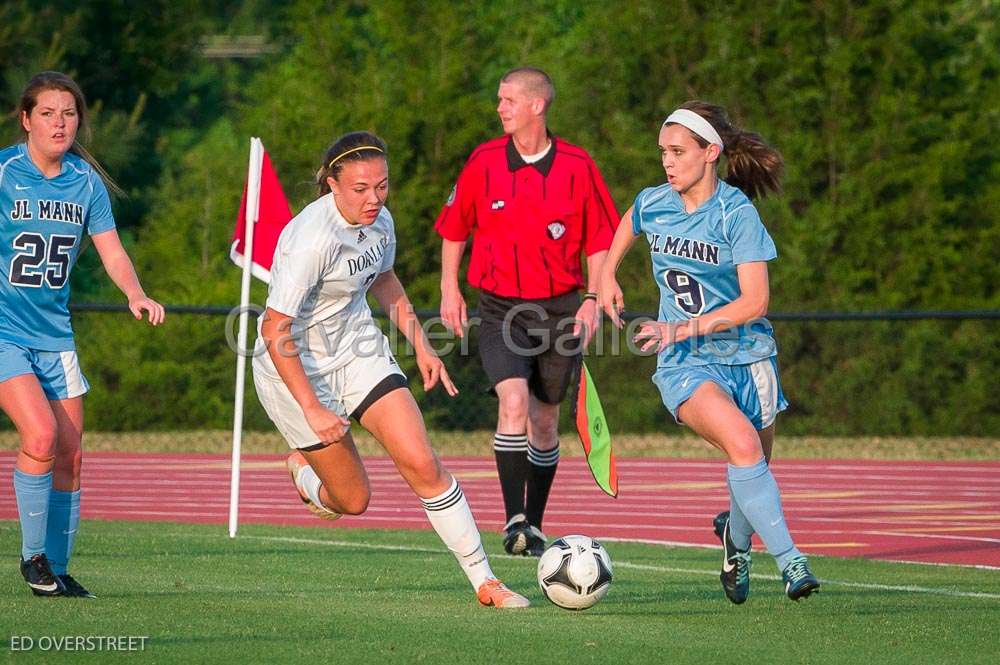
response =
{"points": [[751, 164]]}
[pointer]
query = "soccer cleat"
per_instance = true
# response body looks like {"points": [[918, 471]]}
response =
{"points": [[735, 575], [515, 535], [39, 576], [493, 593], [799, 580], [73, 589], [535, 542], [295, 463], [719, 523]]}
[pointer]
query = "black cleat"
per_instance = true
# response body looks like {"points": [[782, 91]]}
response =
{"points": [[719, 523], [515, 535], [536, 542], [39, 576], [735, 575], [73, 589], [799, 580]]}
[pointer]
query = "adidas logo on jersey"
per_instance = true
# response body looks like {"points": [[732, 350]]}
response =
{"points": [[361, 236]]}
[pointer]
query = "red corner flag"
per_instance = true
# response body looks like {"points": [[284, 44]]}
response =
{"points": [[273, 213]]}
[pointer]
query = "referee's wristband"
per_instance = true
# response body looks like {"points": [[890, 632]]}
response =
{"points": [[589, 296]]}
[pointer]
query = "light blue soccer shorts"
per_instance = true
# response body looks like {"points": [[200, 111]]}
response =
{"points": [[58, 371], [754, 387]]}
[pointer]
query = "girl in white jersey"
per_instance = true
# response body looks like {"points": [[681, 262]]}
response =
{"points": [[716, 368], [51, 191], [320, 358]]}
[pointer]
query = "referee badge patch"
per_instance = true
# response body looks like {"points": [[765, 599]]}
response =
{"points": [[556, 230]]}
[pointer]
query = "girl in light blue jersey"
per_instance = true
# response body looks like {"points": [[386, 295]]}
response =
{"points": [[51, 191], [716, 366]]}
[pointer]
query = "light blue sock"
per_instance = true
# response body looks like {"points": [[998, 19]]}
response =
{"points": [[64, 520], [32, 492], [758, 497], [739, 527]]}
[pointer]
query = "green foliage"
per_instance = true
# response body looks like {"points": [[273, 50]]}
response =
{"points": [[886, 113]]}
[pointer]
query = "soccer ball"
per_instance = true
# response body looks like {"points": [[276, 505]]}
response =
{"points": [[575, 572]]}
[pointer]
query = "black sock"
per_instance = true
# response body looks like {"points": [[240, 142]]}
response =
{"points": [[543, 470], [511, 451]]}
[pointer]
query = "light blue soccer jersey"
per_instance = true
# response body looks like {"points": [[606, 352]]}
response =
{"points": [[694, 259], [41, 224]]}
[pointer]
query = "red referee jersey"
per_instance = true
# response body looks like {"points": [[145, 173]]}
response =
{"points": [[530, 222]]}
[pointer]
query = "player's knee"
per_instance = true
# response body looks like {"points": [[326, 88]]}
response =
{"points": [[39, 443], [744, 451], [421, 472], [356, 504], [544, 431], [69, 461], [514, 406], [429, 473]]}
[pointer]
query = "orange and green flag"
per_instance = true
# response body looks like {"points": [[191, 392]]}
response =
{"points": [[594, 435]]}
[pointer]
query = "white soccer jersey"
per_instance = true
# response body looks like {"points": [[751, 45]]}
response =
{"points": [[323, 267]]}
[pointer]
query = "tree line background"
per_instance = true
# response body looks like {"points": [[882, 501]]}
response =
{"points": [[886, 112]]}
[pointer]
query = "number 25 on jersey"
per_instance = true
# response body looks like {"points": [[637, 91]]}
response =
{"points": [[41, 260]]}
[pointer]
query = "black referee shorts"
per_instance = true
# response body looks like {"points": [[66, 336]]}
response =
{"points": [[533, 340]]}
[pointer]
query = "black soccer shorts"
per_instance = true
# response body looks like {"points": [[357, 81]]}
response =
{"points": [[533, 340]]}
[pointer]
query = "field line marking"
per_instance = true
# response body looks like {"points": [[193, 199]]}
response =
{"points": [[622, 564], [856, 585]]}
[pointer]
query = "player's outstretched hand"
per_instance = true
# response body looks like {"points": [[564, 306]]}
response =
{"points": [[659, 335], [328, 426], [432, 370], [152, 308]]}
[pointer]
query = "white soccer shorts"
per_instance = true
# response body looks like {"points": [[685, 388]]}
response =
{"points": [[341, 390]]}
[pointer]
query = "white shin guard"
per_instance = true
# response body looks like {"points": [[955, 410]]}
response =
{"points": [[451, 517]]}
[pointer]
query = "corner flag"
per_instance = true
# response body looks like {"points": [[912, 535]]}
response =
{"points": [[272, 214], [594, 435], [264, 212]]}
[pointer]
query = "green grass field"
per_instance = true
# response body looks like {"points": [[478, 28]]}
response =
{"points": [[327, 595]]}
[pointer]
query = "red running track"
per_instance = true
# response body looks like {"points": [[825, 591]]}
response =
{"points": [[933, 512]]}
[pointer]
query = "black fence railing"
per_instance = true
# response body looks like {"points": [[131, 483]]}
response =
{"points": [[884, 373], [884, 315]]}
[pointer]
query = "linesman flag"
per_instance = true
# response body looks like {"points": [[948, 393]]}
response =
{"points": [[594, 435], [273, 214]]}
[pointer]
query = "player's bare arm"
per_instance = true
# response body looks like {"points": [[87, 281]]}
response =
{"points": [[388, 291], [589, 315], [121, 271], [453, 309], [609, 294]]}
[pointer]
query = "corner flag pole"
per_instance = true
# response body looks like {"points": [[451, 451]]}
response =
{"points": [[253, 205]]}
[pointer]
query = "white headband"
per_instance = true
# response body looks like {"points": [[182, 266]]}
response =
{"points": [[696, 124]]}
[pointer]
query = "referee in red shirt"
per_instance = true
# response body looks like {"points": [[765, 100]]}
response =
{"points": [[533, 204]]}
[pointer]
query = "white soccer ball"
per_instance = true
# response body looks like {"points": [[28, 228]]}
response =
{"points": [[575, 572]]}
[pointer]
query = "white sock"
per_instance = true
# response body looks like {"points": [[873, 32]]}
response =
{"points": [[311, 484], [451, 517]]}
